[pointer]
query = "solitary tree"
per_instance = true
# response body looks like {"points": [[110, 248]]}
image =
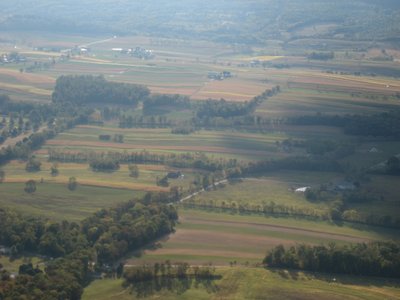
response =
{"points": [[30, 186], [33, 165], [72, 184], [393, 165], [133, 171], [54, 170], [2, 175]]}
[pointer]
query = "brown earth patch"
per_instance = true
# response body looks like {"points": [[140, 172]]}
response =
{"points": [[229, 241], [27, 77], [283, 229], [90, 182]]}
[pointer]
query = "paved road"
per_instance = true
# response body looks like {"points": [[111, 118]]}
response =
{"points": [[14, 140], [202, 190], [96, 42]]}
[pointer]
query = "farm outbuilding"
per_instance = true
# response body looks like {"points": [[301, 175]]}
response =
{"points": [[302, 189]]}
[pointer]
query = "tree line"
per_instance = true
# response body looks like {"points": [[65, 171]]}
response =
{"points": [[232, 167], [385, 124], [183, 160], [214, 113], [222, 108], [372, 259]]}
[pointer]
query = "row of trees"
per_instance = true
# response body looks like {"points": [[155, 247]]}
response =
{"points": [[222, 108], [214, 113], [231, 167], [144, 121], [303, 163], [104, 164], [373, 259], [185, 160]]}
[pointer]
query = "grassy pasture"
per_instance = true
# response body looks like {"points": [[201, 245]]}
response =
{"points": [[119, 179], [56, 202], [257, 283], [364, 158], [182, 67], [385, 191], [274, 187], [188, 78], [303, 100], [12, 264], [243, 146], [277, 187]]}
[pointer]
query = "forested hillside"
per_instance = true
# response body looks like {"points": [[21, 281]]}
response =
{"points": [[239, 21]]}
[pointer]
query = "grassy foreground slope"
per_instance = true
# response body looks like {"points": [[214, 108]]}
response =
{"points": [[258, 283]]}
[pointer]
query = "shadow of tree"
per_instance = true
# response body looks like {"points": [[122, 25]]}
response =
{"points": [[174, 285], [337, 278]]}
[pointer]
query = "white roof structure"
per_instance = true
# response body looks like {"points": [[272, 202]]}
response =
{"points": [[302, 189]]}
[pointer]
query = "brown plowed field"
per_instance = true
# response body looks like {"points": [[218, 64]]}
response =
{"points": [[283, 229]]}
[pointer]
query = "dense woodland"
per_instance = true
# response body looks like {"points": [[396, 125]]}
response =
{"points": [[102, 239], [158, 101], [373, 259], [244, 22], [63, 278], [92, 89]]}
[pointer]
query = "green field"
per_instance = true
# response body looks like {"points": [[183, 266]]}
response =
{"points": [[119, 179], [303, 100], [12, 264], [56, 202], [257, 283], [239, 145], [277, 187]]}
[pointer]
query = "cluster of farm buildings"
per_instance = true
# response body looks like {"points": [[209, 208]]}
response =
{"points": [[13, 57]]}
